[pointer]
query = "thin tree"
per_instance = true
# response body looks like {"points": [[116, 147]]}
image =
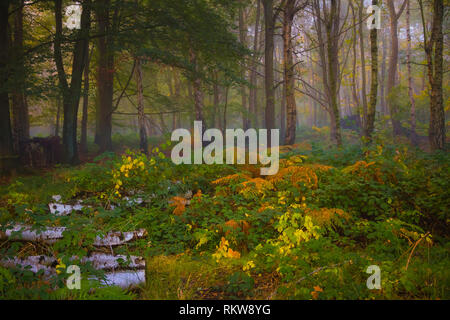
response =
{"points": [[140, 107], [413, 134], [6, 142], [107, 27], [243, 40], [84, 117], [269, 21], [21, 124], [394, 16], [328, 26], [253, 72], [370, 120], [363, 63], [434, 47], [290, 10], [71, 93]]}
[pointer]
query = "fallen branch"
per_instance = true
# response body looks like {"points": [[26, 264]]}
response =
{"points": [[320, 269], [415, 245]]}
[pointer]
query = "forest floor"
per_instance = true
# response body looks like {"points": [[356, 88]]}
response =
{"points": [[221, 231]]}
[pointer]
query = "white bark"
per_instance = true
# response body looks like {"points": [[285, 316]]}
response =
{"points": [[115, 276], [125, 279], [53, 234], [100, 261]]}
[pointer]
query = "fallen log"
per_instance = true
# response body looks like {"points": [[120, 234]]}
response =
{"points": [[59, 209], [23, 232], [116, 275], [124, 279], [64, 209], [53, 234], [36, 263], [100, 261]]}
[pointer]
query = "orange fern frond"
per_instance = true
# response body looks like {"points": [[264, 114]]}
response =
{"points": [[297, 174], [326, 216], [256, 186], [233, 178], [180, 205], [366, 170]]}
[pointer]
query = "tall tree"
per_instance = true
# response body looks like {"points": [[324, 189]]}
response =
{"points": [[71, 93], [370, 120], [288, 69], [413, 135], [363, 62], [107, 26], [383, 74], [354, 71], [328, 26], [434, 47], [269, 20], [141, 114], [197, 87], [253, 72], [394, 16], [243, 40], [84, 117], [21, 124], [6, 142]]}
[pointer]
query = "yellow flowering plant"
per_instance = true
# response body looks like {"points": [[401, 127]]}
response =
{"points": [[132, 173], [224, 251]]}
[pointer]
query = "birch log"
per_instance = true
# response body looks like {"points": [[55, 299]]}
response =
{"points": [[116, 276], [53, 234]]}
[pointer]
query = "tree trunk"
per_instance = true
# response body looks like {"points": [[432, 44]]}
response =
{"points": [[177, 92], [413, 135], [216, 101], [71, 94], [6, 142], [141, 115], [21, 126], [84, 117], [243, 40], [225, 107], [289, 84], [383, 77], [332, 34], [434, 47], [253, 81], [268, 64], [58, 115], [393, 62], [197, 88], [354, 86], [370, 120], [363, 63], [328, 52], [105, 77]]}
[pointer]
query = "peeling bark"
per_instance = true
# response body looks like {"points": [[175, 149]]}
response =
{"points": [[53, 234]]}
